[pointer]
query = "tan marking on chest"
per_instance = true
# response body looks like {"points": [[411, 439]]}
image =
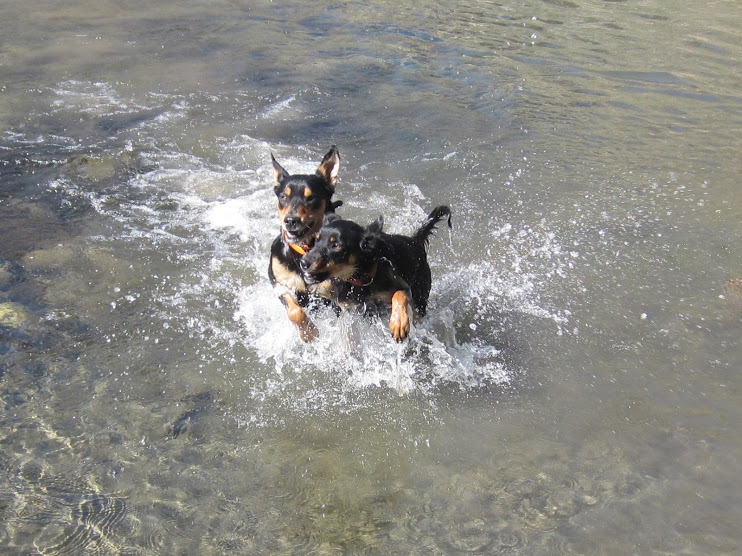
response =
{"points": [[323, 289], [286, 277]]}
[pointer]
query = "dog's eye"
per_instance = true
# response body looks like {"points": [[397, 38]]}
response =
{"points": [[335, 246], [283, 197]]}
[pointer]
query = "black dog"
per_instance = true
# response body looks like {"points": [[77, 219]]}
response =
{"points": [[303, 201], [367, 266]]}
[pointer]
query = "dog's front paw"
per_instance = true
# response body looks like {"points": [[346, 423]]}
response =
{"points": [[308, 331], [399, 322]]}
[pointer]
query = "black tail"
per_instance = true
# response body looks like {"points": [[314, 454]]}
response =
{"points": [[426, 230]]}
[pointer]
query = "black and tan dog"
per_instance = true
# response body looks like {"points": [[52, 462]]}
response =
{"points": [[303, 201], [367, 267]]}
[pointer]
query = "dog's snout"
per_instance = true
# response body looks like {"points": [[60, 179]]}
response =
{"points": [[304, 264], [292, 221]]}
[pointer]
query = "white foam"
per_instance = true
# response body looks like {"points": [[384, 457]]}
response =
{"points": [[279, 110], [100, 99], [454, 344]]}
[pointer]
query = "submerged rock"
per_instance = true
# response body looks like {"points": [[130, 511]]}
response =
{"points": [[6, 277], [14, 315], [50, 258], [10, 272]]}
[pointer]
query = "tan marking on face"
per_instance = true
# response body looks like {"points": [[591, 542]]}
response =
{"points": [[308, 192], [318, 214], [306, 215], [287, 192], [286, 277], [343, 271]]}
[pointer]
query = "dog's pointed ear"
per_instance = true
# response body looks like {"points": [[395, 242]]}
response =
{"points": [[329, 167], [330, 217], [370, 237], [279, 174]]}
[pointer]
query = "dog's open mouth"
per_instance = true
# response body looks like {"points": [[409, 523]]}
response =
{"points": [[297, 233], [315, 278]]}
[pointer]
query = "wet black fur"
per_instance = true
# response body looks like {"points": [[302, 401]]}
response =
{"points": [[322, 190], [367, 266]]}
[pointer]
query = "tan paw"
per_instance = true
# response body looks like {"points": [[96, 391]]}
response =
{"points": [[307, 330], [399, 322]]}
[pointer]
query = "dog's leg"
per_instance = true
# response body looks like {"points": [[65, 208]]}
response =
{"points": [[307, 330], [399, 322]]}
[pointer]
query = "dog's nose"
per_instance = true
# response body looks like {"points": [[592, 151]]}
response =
{"points": [[292, 221], [303, 264]]}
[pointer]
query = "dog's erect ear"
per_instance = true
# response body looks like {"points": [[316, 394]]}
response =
{"points": [[329, 167], [279, 174], [330, 217], [370, 237]]}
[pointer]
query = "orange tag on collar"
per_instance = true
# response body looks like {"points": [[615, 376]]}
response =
{"points": [[298, 248]]}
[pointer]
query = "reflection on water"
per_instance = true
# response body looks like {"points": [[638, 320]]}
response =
{"points": [[574, 387]]}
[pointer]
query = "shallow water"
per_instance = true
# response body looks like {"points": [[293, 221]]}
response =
{"points": [[575, 387]]}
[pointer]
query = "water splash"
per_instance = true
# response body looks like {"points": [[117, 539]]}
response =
{"points": [[217, 222]]}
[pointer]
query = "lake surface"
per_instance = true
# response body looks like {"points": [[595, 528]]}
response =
{"points": [[575, 387]]}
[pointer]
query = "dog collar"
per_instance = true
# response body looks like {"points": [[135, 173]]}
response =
{"points": [[370, 275], [298, 248]]}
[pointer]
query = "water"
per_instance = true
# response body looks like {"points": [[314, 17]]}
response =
{"points": [[575, 387]]}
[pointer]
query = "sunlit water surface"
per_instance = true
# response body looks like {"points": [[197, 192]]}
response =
{"points": [[575, 387]]}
